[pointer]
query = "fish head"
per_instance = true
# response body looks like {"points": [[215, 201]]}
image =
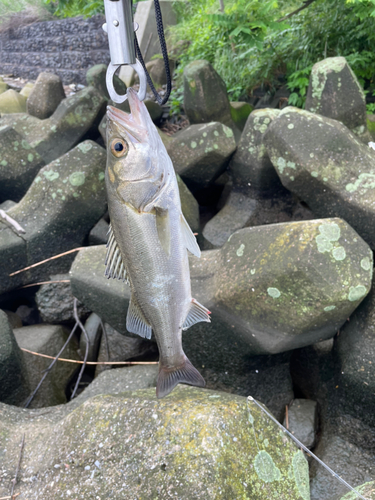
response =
{"points": [[137, 161]]}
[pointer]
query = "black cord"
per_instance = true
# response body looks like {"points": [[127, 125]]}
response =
{"points": [[163, 46]]}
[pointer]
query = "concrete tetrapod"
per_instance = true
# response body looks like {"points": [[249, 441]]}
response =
{"points": [[326, 166], [270, 288], [63, 203], [195, 443]]}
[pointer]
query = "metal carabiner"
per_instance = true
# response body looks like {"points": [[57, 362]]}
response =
{"points": [[120, 30]]}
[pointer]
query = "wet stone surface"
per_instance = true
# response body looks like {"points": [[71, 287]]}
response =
{"points": [[229, 448]]}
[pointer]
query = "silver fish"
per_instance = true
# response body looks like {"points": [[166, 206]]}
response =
{"points": [[148, 241]]}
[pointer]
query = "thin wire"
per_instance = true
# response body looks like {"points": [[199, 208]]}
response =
{"points": [[164, 51], [83, 329], [46, 372], [301, 445]]}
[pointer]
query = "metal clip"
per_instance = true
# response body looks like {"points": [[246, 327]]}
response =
{"points": [[120, 29]]}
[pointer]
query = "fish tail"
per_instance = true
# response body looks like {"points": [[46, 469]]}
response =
{"points": [[169, 377]]}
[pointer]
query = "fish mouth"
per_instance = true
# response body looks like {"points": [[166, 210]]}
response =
{"points": [[133, 124]]}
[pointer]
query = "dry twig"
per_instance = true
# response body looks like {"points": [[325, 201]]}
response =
{"points": [[47, 260], [14, 481], [11, 222], [43, 283], [91, 362], [76, 317]]}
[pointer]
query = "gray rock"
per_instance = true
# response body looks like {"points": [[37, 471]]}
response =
{"points": [[55, 301], [47, 339], [61, 206], [46, 94], [275, 287], [14, 386], [6, 205], [26, 90], [251, 165], [156, 70], [99, 233], [205, 95], [335, 92], [95, 77], [237, 451], [350, 462], [189, 205], [14, 320], [200, 153], [115, 346], [19, 164], [240, 111], [303, 421], [73, 118], [12, 102], [317, 159], [354, 355], [93, 327], [120, 380], [244, 208], [155, 110], [367, 490]]}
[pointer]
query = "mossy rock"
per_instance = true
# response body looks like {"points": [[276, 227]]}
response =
{"points": [[63, 203], [96, 77], [12, 102], [271, 288], [25, 91], [240, 111], [196, 443], [200, 153], [335, 92], [19, 163], [367, 490], [205, 95], [74, 117], [45, 95], [251, 165], [317, 159], [371, 125]]}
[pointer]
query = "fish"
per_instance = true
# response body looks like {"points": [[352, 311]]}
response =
{"points": [[149, 240]]}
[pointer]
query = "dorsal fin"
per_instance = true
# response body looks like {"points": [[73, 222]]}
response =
{"points": [[115, 267], [196, 314], [136, 322], [189, 238]]}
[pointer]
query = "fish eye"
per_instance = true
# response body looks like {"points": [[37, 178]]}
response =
{"points": [[119, 147]]}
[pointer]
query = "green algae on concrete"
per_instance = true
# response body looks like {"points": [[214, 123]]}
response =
{"points": [[335, 92], [268, 286], [367, 490], [199, 159], [194, 444], [17, 167], [205, 95], [250, 165], [59, 209], [56, 135], [326, 175]]}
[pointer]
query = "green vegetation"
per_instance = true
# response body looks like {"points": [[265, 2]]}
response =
{"points": [[73, 8], [252, 44]]}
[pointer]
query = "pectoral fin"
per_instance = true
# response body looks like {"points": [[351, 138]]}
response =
{"points": [[196, 314], [189, 238], [113, 261], [136, 322], [163, 227]]}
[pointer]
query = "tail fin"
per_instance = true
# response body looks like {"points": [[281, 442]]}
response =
{"points": [[185, 374]]}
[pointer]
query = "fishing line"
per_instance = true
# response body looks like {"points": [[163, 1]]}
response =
{"points": [[163, 46], [301, 445]]}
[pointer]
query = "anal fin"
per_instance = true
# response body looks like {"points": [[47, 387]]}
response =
{"points": [[169, 377], [115, 267], [196, 314], [136, 322], [189, 238]]}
